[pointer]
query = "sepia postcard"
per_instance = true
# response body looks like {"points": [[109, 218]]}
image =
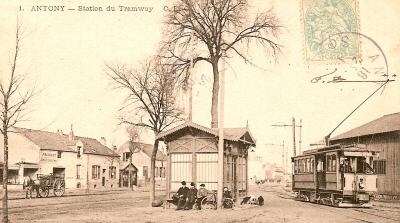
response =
{"points": [[200, 110]]}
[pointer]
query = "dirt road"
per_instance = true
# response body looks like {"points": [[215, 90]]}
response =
{"points": [[128, 206]]}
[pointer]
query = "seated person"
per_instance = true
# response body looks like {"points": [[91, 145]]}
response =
{"points": [[192, 195], [202, 193], [227, 197], [181, 195]]}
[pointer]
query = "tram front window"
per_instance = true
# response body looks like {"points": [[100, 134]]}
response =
{"points": [[363, 166], [345, 165]]}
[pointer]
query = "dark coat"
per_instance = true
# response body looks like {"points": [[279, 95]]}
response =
{"points": [[192, 193], [183, 191]]}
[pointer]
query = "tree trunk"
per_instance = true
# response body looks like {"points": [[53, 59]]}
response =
{"points": [[215, 93], [5, 178], [152, 171]]}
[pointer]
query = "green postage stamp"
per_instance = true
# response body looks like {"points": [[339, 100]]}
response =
{"points": [[329, 26]]}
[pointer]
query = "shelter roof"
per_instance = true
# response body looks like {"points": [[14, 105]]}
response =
{"points": [[232, 134]]}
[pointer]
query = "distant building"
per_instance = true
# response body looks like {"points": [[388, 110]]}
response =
{"points": [[141, 161], [273, 173], [81, 161], [382, 134], [256, 170]]}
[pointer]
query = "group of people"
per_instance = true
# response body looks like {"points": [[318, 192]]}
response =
{"points": [[185, 197]]}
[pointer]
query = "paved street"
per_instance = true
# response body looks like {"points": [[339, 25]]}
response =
{"points": [[131, 206]]}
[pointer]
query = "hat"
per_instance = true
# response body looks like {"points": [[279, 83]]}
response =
{"points": [[202, 185], [192, 184], [183, 183]]}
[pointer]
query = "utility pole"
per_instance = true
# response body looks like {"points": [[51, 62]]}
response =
{"points": [[300, 136], [190, 84], [294, 135], [293, 125], [221, 137]]}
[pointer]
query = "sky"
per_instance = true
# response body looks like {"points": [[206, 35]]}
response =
{"points": [[64, 54]]}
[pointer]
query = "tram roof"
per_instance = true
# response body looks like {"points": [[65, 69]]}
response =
{"points": [[336, 147]]}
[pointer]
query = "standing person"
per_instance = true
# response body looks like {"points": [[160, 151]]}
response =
{"points": [[201, 195], [182, 195], [28, 187], [192, 195]]}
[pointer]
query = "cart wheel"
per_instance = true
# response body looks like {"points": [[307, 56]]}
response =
{"points": [[59, 188], [43, 192], [208, 204]]}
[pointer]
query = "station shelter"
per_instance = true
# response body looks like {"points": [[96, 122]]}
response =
{"points": [[192, 156]]}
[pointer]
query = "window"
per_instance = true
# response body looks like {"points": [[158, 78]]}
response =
{"points": [[162, 171], [126, 156], [145, 171], [157, 173], [78, 155], [380, 166], [58, 154], [78, 171], [312, 165], [331, 163], [113, 172], [95, 172], [307, 165]]}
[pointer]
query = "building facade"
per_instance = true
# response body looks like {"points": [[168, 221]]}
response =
{"points": [[83, 162], [192, 156], [382, 134], [135, 158]]}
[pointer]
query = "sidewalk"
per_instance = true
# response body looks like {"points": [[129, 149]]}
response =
{"points": [[20, 194]]}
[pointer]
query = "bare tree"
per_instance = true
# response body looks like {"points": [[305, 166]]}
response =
{"points": [[221, 29], [150, 100], [134, 133], [14, 100]]}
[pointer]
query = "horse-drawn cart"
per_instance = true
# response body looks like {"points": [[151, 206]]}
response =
{"points": [[50, 182]]}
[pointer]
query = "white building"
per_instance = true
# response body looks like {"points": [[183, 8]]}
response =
{"points": [[256, 170], [81, 161], [141, 161]]}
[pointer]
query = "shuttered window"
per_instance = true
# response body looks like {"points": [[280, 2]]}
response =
{"points": [[181, 169], [380, 166], [206, 166]]}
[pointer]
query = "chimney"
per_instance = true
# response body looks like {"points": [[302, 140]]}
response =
{"points": [[71, 135], [103, 141], [114, 147], [59, 131]]}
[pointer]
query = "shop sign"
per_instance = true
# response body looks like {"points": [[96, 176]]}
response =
{"points": [[48, 156]]}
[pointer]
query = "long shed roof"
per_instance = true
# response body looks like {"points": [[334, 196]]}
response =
{"points": [[386, 123]]}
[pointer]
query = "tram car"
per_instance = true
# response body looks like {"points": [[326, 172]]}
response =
{"points": [[336, 175]]}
